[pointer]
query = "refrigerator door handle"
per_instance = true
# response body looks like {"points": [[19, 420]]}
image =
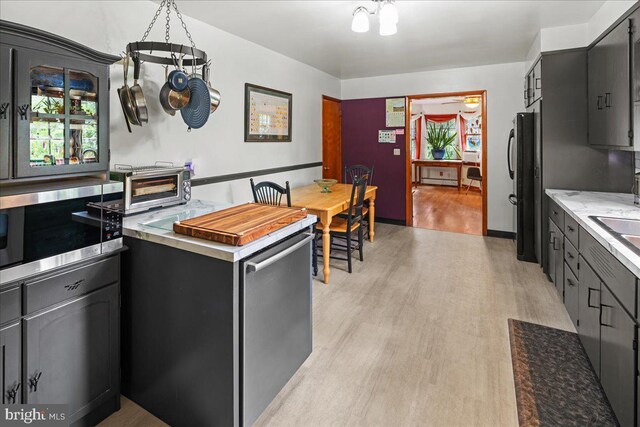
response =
{"points": [[511, 138], [513, 199]]}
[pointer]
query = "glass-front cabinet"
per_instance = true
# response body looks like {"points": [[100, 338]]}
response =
{"points": [[5, 111], [54, 106], [62, 115]]}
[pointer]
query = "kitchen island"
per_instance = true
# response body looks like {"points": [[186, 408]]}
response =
{"points": [[212, 332]]}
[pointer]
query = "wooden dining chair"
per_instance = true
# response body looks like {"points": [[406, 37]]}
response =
{"points": [[270, 193], [345, 225], [352, 172], [474, 174]]}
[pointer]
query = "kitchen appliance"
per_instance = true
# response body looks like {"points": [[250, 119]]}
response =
{"points": [[53, 227], [275, 328], [149, 187], [520, 161], [636, 189]]}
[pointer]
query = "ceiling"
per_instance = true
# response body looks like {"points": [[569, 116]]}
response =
{"points": [[431, 34]]}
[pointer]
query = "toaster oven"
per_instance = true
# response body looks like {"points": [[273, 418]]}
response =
{"points": [[149, 187]]}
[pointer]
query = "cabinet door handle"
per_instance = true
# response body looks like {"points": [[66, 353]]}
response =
{"points": [[570, 255], [3, 110], [12, 393], [73, 286], [538, 80], [602, 307], [555, 213], [23, 111], [570, 228], [607, 99], [570, 282], [599, 102], [558, 246], [33, 381], [589, 298]]}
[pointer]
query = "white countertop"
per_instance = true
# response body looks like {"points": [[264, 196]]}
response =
{"points": [[138, 226], [583, 204]]}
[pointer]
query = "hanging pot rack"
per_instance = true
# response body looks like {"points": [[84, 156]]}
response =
{"points": [[187, 58]]}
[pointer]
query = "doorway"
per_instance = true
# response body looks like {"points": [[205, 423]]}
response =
{"points": [[441, 192], [331, 138]]}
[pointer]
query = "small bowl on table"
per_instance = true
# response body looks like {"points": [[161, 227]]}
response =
{"points": [[325, 184]]}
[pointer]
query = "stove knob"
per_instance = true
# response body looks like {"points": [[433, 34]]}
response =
{"points": [[187, 196]]}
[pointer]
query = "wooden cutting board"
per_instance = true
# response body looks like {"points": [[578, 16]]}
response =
{"points": [[241, 224]]}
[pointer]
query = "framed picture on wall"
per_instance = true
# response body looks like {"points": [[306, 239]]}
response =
{"points": [[267, 114]]}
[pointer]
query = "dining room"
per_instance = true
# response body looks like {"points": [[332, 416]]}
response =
{"points": [[447, 154]]}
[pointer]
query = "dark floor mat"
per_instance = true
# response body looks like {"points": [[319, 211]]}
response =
{"points": [[555, 383]]}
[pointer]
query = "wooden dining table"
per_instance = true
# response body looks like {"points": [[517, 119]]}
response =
{"points": [[327, 205]]}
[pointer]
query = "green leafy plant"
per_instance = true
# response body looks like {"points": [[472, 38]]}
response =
{"points": [[439, 137]]}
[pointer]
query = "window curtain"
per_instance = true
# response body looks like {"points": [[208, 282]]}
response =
{"points": [[440, 118], [463, 133], [418, 125]]}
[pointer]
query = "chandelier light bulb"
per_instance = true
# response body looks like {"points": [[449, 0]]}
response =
{"points": [[360, 22], [388, 14]]}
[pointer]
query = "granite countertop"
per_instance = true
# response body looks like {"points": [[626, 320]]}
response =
{"points": [[157, 226], [583, 204]]}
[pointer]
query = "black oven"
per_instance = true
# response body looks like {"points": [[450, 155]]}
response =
{"points": [[51, 228]]}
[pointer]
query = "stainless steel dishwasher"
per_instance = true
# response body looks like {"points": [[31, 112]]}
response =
{"points": [[275, 331]]}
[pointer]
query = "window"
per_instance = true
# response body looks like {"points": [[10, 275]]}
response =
{"points": [[452, 151]]}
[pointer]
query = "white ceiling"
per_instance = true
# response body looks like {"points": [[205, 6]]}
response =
{"points": [[431, 34]]}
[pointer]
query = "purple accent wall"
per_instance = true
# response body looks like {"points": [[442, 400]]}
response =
{"points": [[361, 121]]}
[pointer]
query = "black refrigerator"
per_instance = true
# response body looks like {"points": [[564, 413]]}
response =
{"points": [[520, 160]]}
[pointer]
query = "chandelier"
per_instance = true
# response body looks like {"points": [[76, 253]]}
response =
{"points": [[387, 18]]}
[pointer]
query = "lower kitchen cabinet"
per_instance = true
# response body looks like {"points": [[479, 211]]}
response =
{"points": [[589, 311], [556, 256], [72, 353], [10, 345], [571, 294], [617, 358]]}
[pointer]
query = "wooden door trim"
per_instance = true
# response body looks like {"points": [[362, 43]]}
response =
{"points": [[408, 183], [339, 101]]}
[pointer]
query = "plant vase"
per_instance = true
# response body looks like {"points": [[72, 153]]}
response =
{"points": [[438, 154]]}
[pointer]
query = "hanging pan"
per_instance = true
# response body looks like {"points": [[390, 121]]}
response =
{"points": [[139, 102], [172, 100], [126, 99], [197, 111]]}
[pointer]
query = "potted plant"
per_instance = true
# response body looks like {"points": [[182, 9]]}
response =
{"points": [[439, 139]]}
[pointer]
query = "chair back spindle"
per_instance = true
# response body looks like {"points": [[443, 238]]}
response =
{"points": [[270, 193], [356, 202], [352, 172]]}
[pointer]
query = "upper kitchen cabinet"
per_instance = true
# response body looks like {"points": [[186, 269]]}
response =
{"points": [[533, 84], [59, 121], [610, 86]]}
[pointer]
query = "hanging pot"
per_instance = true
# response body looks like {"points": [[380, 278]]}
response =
{"points": [[197, 111], [139, 102], [126, 99], [172, 100], [215, 98], [178, 80]]}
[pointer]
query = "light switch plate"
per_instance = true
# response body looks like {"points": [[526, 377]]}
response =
{"points": [[396, 151]]}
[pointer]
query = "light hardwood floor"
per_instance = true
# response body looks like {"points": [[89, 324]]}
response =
{"points": [[416, 336], [447, 209]]}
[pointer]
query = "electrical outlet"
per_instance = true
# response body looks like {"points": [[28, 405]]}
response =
{"points": [[190, 166]]}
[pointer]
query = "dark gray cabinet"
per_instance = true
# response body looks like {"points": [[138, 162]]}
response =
{"points": [[562, 140], [589, 313], [10, 346], [533, 84], [58, 121], [571, 294], [72, 353], [618, 357], [556, 255], [610, 90], [6, 110]]}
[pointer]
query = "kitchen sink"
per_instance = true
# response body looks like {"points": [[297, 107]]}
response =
{"points": [[625, 230]]}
